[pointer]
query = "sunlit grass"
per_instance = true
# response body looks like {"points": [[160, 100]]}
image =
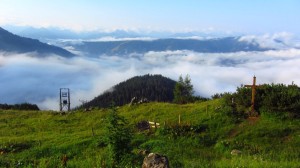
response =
{"points": [[41, 139]]}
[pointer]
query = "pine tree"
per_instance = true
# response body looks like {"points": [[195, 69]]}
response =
{"points": [[118, 138], [183, 92]]}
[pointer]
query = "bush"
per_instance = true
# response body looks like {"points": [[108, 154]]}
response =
{"points": [[23, 106], [274, 98], [118, 138]]}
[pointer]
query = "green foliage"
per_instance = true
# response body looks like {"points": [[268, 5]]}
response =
{"points": [[275, 98], [118, 136], [183, 91], [183, 130], [153, 145], [23, 106], [207, 136]]}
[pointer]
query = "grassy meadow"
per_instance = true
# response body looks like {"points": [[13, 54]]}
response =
{"points": [[205, 137]]}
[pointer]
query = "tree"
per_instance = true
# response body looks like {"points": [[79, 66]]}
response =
{"points": [[118, 138], [183, 91]]}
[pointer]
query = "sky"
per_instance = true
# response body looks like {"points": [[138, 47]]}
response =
{"points": [[246, 16]]}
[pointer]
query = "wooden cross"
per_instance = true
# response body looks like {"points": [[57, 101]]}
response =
{"points": [[253, 87]]}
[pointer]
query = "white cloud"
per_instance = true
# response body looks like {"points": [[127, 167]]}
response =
{"points": [[37, 80], [282, 40], [122, 39]]}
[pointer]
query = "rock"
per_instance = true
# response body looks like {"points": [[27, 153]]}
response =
{"points": [[154, 160], [143, 100], [236, 152], [133, 101], [87, 109]]}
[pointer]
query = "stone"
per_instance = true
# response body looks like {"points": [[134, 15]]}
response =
{"points": [[235, 152], [133, 101], [143, 100], [154, 160]]}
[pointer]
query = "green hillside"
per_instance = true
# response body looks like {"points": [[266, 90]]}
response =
{"points": [[205, 137]]}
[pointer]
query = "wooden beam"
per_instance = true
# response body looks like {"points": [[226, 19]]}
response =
{"points": [[253, 88]]}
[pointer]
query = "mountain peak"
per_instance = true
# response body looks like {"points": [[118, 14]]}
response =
{"points": [[150, 87], [10, 42]]}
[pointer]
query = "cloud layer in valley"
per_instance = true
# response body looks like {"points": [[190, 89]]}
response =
{"points": [[27, 78]]}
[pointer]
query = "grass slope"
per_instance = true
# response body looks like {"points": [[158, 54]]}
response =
{"points": [[205, 138]]}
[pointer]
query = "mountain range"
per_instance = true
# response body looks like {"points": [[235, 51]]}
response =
{"points": [[10, 42], [54, 33], [118, 43], [126, 47]]}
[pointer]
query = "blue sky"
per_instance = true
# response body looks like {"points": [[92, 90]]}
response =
{"points": [[246, 16]]}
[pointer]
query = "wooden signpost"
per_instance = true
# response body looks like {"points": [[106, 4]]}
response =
{"points": [[253, 87]]}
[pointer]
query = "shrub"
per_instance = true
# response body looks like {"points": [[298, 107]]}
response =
{"points": [[118, 138], [274, 98]]}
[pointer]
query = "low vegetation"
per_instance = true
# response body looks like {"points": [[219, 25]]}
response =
{"points": [[205, 137], [278, 99], [23, 106]]}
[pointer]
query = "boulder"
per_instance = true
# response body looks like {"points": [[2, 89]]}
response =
{"points": [[143, 100], [235, 152], [154, 160], [133, 101]]}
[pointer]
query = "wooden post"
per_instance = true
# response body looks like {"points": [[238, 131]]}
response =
{"points": [[179, 119], [253, 87]]}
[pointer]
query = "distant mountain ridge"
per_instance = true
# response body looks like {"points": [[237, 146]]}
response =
{"points": [[218, 45], [54, 33], [127, 42], [150, 87], [13, 43]]}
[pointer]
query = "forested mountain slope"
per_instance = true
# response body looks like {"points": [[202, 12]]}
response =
{"points": [[149, 87]]}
